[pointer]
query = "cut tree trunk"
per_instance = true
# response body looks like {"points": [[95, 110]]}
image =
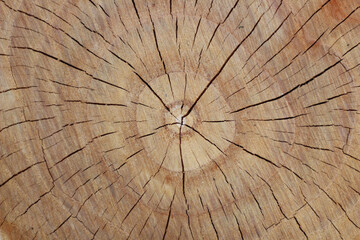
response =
{"points": [[164, 119]]}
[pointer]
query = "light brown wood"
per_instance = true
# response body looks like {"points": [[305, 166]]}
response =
{"points": [[199, 119]]}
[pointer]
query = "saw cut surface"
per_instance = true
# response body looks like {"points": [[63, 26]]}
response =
{"points": [[200, 119]]}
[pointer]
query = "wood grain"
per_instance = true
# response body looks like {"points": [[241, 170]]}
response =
{"points": [[174, 119]]}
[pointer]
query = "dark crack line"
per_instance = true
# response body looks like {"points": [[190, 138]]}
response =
{"points": [[168, 124], [301, 229], [254, 154], [328, 99], [184, 177], [169, 215], [96, 103], [237, 222], [257, 202], [293, 37], [132, 208], [275, 198], [277, 29], [312, 147], [314, 42], [19, 173], [223, 66], [212, 223], [277, 119], [126, 160], [217, 27], [205, 138], [69, 65], [53, 13], [337, 25], [56, 28], [182, 161], [196, 32], [335, 228], [146, 135], [160, 55], [155, 94], [136, 11], [32, 204], [158, 170], [121, 59], [60, 225], [218, 121], [288, 92], [142, 104]]}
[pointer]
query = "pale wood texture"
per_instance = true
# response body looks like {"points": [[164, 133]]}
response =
{"points": [[199, 119]]}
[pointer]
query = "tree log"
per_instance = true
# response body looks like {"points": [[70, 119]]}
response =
{"points": [[174, 119]]}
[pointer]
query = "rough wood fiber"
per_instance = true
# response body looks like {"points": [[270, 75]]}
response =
{"points": [[199, 119]]}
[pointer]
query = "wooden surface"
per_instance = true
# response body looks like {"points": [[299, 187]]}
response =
{"points": [[199, 119]]}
